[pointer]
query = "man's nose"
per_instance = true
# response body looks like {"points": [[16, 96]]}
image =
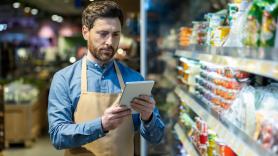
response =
{"points": [[109, 40]]}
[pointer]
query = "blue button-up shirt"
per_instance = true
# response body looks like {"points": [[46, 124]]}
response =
{"points": [[64, 95]]}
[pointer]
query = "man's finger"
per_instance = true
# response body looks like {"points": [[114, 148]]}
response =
{"points": [[143, 103], [119, 109], [141, 108], [121, 114], [144, 98]]}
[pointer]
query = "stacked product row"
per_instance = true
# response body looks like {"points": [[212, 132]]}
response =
{"points": [[244, 23], [228, 91], [205, 140]]}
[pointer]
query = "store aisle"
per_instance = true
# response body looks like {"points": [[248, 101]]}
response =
{"points": [[41, 147]]}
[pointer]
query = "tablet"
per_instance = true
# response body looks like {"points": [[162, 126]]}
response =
{"points": [[134, 89]]}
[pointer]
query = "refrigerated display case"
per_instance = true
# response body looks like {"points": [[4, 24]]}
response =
{"points": [[257, 63]]}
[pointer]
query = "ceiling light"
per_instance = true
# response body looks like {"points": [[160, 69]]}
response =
{"points": [[34, 11], [16, 5], [3, 27], [60, 19], [27, 9], [72, 59], [54, 17], [91, 0], [57, 18]]}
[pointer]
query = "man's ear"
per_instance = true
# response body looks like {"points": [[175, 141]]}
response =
{"points": [[85, 32]]}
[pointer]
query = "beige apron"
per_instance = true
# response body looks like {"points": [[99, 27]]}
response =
{"points": [[91, 105]]}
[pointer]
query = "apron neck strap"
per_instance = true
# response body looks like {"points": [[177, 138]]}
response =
{"points": [[84, 75], [119, 75]]}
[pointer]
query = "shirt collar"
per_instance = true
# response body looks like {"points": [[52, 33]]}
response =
{"points": [[92, 64]]}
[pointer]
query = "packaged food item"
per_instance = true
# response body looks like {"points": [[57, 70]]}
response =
{"points": [[268, 135], [242, 75], [232, 84], [229, 72], [216, 100], [242, 111], [211, 150], [251, 35], [220, 35], [223, 149], [184, 38], [184, 63], [226, 104], [199, 32], [185, 76], [180, 71], [267, 97], [230, 94], [260, 28], [269, 22], [215, 20], [217, 91], [234, 73], [233, 8], [203, 138]]}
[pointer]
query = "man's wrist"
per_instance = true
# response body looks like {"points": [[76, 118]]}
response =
{"points": [[104, 131], [146, 121]]}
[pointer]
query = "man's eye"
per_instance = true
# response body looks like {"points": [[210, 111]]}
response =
{"points": [[116, 34], [103, 34]]}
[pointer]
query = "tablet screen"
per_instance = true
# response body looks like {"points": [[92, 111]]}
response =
{"points": [[134, 89]]}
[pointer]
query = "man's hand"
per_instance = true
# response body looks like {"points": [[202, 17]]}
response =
{"points": [[113, 117], [144, 105]]}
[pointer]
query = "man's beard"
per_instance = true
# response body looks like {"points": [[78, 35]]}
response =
{"points": [[104, 54]]}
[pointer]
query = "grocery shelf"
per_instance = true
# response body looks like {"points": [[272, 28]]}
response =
{"points": [[261, 61], [234, 137], [187, 145]]}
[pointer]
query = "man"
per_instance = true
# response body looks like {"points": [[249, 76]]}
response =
{"points": [[84, 113]]}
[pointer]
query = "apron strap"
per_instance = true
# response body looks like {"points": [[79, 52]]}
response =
{"points": [[119, 75], [84, 75]]}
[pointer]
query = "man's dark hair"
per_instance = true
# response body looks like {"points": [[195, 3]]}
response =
{"points": [[100, 9]]}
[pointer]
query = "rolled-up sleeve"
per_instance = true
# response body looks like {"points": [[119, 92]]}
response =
{"points": [[64, 133]]}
